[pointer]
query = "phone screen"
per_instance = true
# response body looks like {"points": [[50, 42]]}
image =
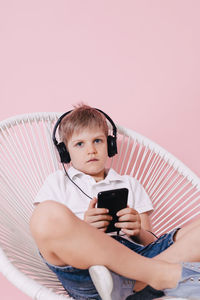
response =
{"points": [[113, 200]]}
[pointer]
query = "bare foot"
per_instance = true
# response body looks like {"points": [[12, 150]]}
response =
{"points": [[139, 285]]}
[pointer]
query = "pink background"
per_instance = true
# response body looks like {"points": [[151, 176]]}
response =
{"points": [[136, 60]]}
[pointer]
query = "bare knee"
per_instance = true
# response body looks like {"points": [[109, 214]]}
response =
{"points": [[193, 228], [48, 221]]}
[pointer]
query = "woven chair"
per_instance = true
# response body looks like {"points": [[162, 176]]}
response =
{"points": [[27, 157]]}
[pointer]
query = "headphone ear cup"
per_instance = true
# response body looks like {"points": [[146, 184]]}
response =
{"points": [[64, 154], [112, 145]]}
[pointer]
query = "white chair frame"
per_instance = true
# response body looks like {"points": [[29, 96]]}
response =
{"points": [[28, 156]]}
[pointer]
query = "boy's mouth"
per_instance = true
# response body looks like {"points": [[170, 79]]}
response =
{"points": [[92, 159]]}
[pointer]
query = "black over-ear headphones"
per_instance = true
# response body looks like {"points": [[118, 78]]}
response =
{"points": [[62, 150]]}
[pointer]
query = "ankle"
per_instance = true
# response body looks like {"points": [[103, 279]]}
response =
{"points": [[168, 277]]}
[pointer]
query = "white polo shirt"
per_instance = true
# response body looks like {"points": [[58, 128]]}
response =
{"points": [[58, 187]]}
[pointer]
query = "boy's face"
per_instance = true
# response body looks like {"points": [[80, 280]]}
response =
{"points": [[88, 151]]}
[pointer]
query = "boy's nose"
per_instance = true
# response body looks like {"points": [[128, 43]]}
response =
{"points": [[91, 149]]}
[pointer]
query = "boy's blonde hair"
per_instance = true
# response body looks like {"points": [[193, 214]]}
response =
{"points": [[83, 116]]}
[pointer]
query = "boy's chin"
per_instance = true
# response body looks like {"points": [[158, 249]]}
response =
{"points": [[94, 171], [91, 170]]}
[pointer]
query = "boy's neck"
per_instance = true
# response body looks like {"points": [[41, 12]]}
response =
{"points": [[99, 177]]}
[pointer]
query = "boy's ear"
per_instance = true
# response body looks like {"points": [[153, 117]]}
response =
{"points": [[63, 152], [112, 145]]}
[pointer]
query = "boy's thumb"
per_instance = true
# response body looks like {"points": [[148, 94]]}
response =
{"points": [[93, 203]]}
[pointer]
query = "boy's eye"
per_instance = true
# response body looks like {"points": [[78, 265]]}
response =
{"points": [[79, 144], [97, 141]]}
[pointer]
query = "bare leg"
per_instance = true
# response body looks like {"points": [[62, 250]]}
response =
{"points": [[186, 246], [188, 228], [64, 239]]}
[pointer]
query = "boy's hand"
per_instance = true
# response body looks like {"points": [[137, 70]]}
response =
{"points": [[129, 221], [97, 217]]}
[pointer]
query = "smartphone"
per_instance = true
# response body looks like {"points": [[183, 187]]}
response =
{"points": [[113, 200]]}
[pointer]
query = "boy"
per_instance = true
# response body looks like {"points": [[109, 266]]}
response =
{"points": [[70, 231]]}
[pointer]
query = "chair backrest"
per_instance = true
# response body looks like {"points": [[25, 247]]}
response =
{"points": [[28, 156]]}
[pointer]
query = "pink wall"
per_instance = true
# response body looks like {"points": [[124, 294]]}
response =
{"points": [[136, 60]]}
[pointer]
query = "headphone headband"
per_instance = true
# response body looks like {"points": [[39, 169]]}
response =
{"points": [[64, 154], [56, 126]]}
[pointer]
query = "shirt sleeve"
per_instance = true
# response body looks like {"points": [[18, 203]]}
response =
{"points": [[142, 202], [52, 189]]}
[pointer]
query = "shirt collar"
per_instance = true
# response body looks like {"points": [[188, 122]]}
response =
{"points": [[112, 175], [74, 172]]}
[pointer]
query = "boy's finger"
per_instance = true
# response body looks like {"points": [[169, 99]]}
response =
{"points": [[125, 225], [99, 218], [101, 224], [123, 211], [97, 211], [93, 203], [128, 218], [126, 210]]}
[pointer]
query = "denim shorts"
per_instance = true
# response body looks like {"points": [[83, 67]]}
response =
{"points": [[78, 282]]}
